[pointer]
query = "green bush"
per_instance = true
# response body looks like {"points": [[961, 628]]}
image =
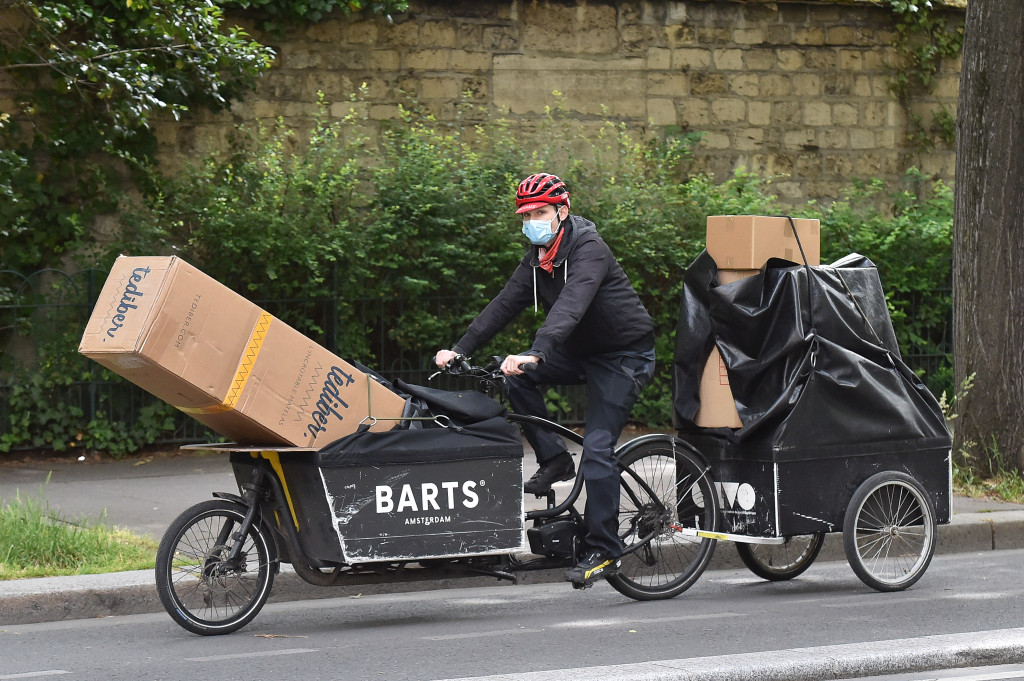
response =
{"points": [[420, 220]]}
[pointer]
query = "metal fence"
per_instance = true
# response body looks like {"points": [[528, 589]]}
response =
{"points": [[43, 314]]}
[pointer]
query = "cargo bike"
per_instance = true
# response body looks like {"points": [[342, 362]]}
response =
{"points": [[438, 496], [837, 435]]}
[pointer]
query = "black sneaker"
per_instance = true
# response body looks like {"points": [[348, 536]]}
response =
{"points": [[551, 471], [596, 565]]}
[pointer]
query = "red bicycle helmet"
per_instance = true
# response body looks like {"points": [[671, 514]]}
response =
{"points": [[539, 190]]}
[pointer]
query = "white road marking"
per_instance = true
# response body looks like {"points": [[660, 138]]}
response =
{"points": [[259, 653], [581, 624], [483, 634], [34, 675]]}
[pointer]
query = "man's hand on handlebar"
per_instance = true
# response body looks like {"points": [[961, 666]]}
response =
{"points": [[517, 364], [443, 357]]}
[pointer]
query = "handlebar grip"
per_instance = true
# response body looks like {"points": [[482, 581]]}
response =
{"points": [[529, 366]]}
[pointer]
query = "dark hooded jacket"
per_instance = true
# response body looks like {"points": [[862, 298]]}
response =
{"points": [[591, 307]]}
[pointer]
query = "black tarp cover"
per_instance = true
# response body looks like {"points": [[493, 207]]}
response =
{"points": [[812, 361]]}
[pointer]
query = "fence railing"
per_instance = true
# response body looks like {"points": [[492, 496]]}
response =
{"points": [[43, 314]]}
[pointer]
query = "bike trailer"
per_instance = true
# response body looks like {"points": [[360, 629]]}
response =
{"points": [[824, 398]]}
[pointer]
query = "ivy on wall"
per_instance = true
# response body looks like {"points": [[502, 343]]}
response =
{"points": [[924, 37]]}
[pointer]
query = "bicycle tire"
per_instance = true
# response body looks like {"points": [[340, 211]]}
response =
{"points": [[202, 593], [683, 497], [780, 562], [889, 531]]}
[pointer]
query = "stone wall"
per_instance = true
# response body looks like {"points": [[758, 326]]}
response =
{"points": [[794, 89]]}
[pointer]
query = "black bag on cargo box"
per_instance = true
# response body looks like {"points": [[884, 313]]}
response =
{"points": [[428, 492]]}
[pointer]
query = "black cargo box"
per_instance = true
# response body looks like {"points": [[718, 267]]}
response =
{"points": [[420, 493]]}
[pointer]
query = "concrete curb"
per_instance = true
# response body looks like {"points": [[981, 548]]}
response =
{"points": [[853, 660], [31, 601]]}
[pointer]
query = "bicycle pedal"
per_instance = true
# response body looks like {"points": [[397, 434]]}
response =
{"points": [[577, 585]]}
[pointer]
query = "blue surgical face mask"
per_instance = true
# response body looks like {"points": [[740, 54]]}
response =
{"points": [[540, 232]]}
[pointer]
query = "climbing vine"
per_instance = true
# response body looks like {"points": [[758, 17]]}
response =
{"points": [[924, 37]]}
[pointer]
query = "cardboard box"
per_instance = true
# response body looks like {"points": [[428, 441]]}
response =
{"points": [[740, 242], [717, 406], [196, 344], [732, 276]]}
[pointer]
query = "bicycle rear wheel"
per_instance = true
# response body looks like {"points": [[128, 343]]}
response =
{"points": [[779, 562], [666, 490]]}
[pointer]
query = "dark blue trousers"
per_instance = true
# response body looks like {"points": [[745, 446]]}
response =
{"points": [[613, 381]]}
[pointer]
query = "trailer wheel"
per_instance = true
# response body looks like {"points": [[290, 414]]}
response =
{"points": [[779, 562], [889, 531]]}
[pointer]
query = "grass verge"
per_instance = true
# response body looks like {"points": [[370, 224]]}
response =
{"points": [[37, 542]]}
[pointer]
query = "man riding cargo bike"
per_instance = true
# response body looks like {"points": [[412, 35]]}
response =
{"points": [[596, 331]]}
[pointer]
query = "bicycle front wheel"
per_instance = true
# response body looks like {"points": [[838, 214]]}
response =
{"points": [[200, 586], [667, 493]]}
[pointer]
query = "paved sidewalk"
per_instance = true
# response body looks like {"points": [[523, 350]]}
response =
{"points": [[145, 496]]}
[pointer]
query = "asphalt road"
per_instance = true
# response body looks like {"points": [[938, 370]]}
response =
{"points": [[730, 625]]}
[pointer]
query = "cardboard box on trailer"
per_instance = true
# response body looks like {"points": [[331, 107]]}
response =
{"points": [[741, 242], [199, 346]]}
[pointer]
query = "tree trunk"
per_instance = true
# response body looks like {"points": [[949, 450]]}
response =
{"points": [[988, 245]]}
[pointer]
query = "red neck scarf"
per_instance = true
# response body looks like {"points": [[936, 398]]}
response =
{"points": [[547, 256]]}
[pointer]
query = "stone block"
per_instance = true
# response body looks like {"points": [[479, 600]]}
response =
{"points": [[383, 112], [500, 38], [437, 34], [662, 112], [862, 139], [851, 60], [695, 113], [383, 60], [840, 35], [343, 109], [774, 85], [759, 114], [574, 29], [728, 110], [759, 60], [691, 58], [798, 139], [728, 59], [470, 62], [703, 84], [444, 87], [748, 139], [845, 115], [716, 140], [748, 36], [833, 138], [817, 113], [659, 59], [745, 85], [809, 36], [790, 60], [326, 31], [401, 34], [680, 35], [862, 87], [428, 60], [807, 85], [666, 84], [362, 32]]}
